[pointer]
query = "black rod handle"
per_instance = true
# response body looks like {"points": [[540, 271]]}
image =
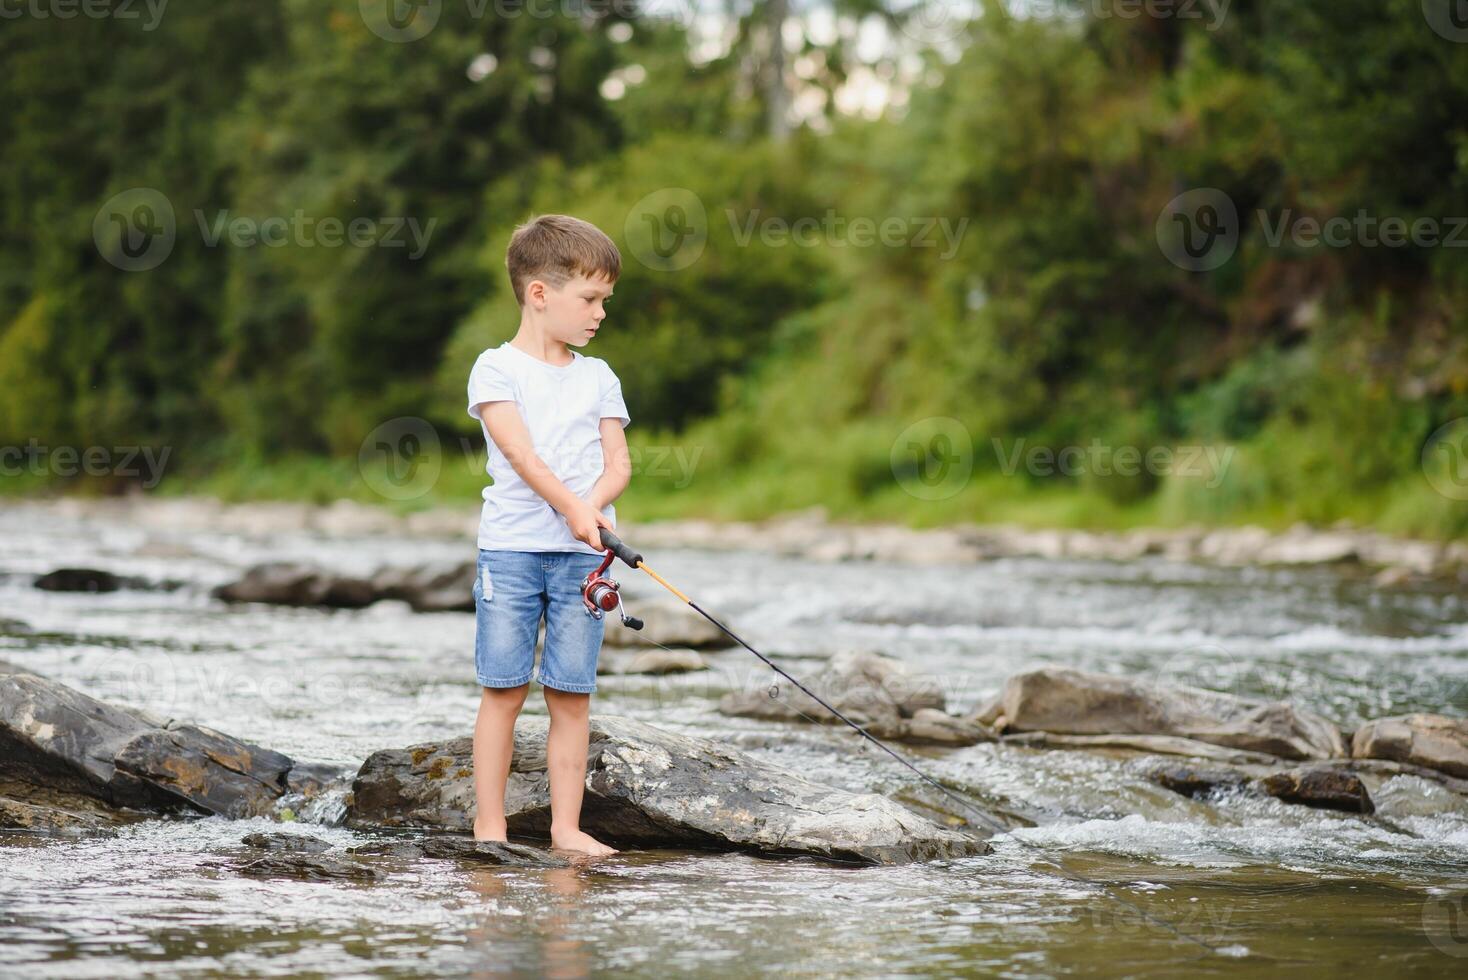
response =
{"points": [[619, 548]]}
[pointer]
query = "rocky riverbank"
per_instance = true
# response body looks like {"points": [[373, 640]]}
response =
{"points": [[70, 763], [809, 534]]}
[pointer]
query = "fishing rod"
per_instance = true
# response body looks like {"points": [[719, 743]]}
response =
{"points": [[602, 594]]}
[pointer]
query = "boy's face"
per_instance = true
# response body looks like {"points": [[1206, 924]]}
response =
{"points": [[575, 311]]}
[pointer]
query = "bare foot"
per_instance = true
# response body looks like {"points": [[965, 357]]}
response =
{"points": [[577, 840], [489, 830]]}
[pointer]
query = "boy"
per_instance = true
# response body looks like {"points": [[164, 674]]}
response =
{"points": [[553, 423]]}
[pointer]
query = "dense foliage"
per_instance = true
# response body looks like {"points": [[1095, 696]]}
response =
{"points": [[1031, 289]]}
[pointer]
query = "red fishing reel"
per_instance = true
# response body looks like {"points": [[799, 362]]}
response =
{"points": [[602, 594]]}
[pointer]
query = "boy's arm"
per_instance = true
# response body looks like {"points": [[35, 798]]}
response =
{"points": [[616, 465], [507, 429]]}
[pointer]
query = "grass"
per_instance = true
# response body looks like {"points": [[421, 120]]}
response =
{"points": [[701, 476]]}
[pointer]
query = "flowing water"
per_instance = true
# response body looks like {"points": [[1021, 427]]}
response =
{"points": [[1267, 887]]}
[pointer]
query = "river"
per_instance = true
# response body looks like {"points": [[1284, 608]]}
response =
{"points": [[1266, 887]]}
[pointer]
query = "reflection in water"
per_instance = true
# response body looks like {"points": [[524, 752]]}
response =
{"points": [[535, 934]]}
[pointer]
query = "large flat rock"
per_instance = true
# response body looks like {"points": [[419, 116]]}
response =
{"points": [[1073, 702], [54, 737], [1433, 741], [646, 787]]}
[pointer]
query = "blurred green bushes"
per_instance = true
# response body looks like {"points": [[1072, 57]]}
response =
{"points": [[788, 371]]}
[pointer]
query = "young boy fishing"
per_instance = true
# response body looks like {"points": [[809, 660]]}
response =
{"points": [[552, 421]]}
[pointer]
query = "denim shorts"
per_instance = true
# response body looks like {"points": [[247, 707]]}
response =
{"points": [[513, 591]]}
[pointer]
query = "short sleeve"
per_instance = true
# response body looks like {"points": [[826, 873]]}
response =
{"points": [[612, 405], [488, 383]]}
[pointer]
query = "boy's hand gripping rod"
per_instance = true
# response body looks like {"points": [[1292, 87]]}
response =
{"points": [[616, 546]]}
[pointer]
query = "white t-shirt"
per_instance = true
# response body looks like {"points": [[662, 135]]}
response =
{"points": [[563, 408]]}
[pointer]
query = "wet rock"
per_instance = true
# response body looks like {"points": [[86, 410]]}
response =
{"points": [[650, 788], [81, 580], [1194, 781], [310, 779], [281, 842], [1156, 744], [668, 624], [1326, 788], [933, 727], [295, 584], [460, 848], [18, 815], [212, 771], [48, 808], [14, 627], [490, 852], [429, 587], [1432, 741], [876, 692], [53, 736], [1073, 702], [307, 867], [652, 662]]}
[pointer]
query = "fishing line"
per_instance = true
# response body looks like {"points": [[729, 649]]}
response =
{"points": [[632, 559]]}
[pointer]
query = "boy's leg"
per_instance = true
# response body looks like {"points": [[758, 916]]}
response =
{"points": [[565, 751], [568, 674], [494, 744], [509, 601]]}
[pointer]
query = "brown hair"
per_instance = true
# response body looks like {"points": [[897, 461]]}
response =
{"points": [[555, 248]]}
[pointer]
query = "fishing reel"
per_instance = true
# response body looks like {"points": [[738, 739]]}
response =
{"points": [[602, 594]]}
